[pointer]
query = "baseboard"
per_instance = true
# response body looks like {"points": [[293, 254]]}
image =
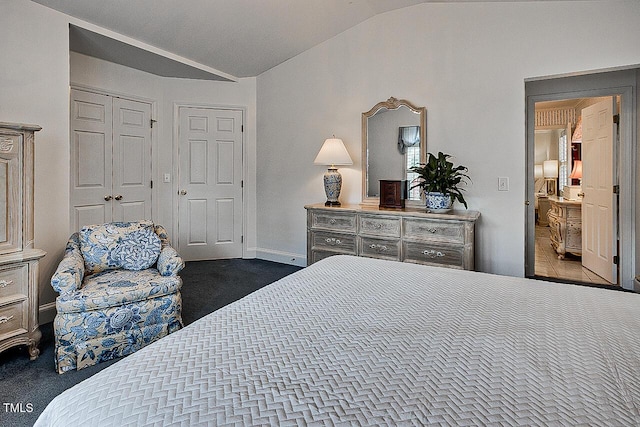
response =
{"points": [[249, 253], [46, 313], [281, 257]]}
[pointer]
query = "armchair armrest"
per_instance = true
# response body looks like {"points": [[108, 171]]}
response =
{"points": [[169, 262], [70, 272]]}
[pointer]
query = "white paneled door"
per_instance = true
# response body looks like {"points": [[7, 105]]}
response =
{"points": [[599, 216], [110, 159], [210, 183]]}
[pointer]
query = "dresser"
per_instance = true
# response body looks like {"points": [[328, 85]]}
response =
{"points": [[18, 257], [408, 235], [565, 226]]}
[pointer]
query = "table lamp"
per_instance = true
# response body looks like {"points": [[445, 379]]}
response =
{"points": [[550, 170], [333, 153]]}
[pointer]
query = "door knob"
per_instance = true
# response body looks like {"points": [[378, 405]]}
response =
{"points": [[182, 192], [108, 197], [118, 197]]}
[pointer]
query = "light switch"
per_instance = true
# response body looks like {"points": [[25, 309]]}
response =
{"points": [[166, 177], [503, 183]]}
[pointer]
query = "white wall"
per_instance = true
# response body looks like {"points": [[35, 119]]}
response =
{"points": [[455, 59], [546, 145], [466, 63], [166, 93], [34, 88]]}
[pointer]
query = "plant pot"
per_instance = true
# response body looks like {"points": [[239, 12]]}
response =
{"points": [[438, 202]]}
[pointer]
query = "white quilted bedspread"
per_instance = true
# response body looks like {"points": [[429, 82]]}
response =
{"points": [[355, 341]]}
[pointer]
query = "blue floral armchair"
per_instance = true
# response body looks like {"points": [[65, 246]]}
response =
{"points": [[119, 291]]}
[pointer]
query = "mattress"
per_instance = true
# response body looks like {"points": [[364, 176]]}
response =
{"points": [[357, 341]]}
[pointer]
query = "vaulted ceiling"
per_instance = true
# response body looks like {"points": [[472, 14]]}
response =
{"points": [[239, 37]]}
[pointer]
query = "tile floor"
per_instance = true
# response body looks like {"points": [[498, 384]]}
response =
{"points": [[569, 268]]}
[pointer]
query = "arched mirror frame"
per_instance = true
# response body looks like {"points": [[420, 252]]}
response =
{"points": [[390, 104]]}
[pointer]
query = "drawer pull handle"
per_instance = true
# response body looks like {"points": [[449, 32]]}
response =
{"points": [[333, 241], [379, 248], [332, 221], [5, 283], [433, 253], [5, 319], [432, 230]]}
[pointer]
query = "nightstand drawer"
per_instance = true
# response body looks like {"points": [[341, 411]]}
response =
{"points": [[432, 253], [379, 226], [334, 242], [337, 221], [13, 319], [433, 230], [14, 281], [380, 248]]}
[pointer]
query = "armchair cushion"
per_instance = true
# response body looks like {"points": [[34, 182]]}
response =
{"points": [[127, 245], [114, 288]]}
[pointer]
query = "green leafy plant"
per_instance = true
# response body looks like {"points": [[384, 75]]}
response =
{"points": [[439, 175]]}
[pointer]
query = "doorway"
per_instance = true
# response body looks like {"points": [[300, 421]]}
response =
{"points": [[560, 205], [574, 89]]}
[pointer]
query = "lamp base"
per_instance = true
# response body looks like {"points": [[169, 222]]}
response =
{"points": [[332, 186]]}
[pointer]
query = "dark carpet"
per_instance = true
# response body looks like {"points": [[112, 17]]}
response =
{"points": [[26, 387]]}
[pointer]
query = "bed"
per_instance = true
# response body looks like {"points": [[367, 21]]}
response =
{"points": [[358, 341]]}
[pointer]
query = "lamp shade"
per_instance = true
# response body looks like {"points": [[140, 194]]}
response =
{"points": [[576, 172], [550, 168], [538, 171], [333, 152]]}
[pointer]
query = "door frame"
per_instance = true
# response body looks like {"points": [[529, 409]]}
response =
{"points": [[621, 82], [176, 164], [155, 200]]}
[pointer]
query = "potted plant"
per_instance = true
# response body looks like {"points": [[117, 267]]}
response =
{"points": [[440, 182]]}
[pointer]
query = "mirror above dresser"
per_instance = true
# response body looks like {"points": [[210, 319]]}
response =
{"points": [[393, 139]]}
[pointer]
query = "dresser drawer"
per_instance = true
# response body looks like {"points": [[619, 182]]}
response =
{"points": [[433, 230], [574, 214], [380, 248], [13, 319], [433, 253], [379, 225], [318, 255], [14, 280], [334, 242], [338, 221]]}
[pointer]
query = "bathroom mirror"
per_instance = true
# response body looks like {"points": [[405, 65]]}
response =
{"points": [[393, 139]]}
